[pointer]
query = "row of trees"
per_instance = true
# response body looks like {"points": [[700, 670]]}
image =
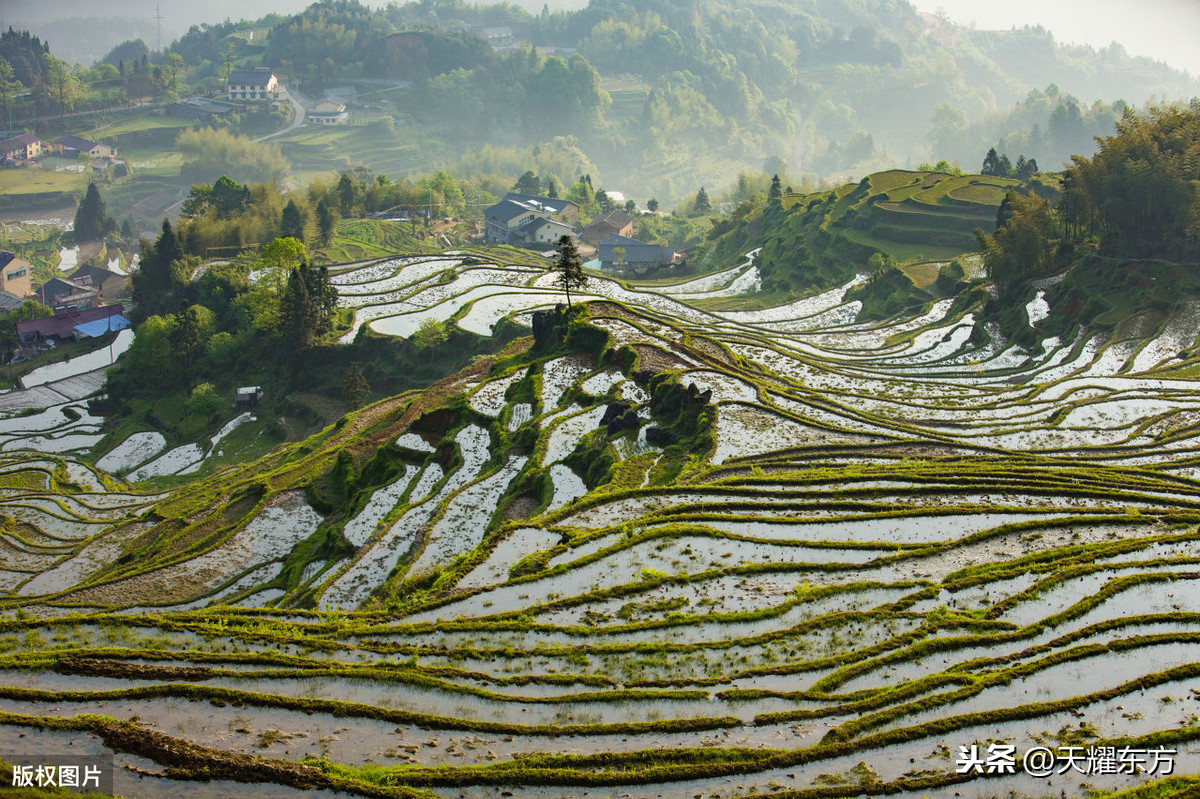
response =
{"points": [[233, 319], [1141, 191], [999, 166], [1138, 197]]}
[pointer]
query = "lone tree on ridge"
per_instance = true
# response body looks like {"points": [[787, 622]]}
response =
{"points": [[569, 267]]}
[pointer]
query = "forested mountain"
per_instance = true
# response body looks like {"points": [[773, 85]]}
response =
{"points": [[710, 87], [662, 96]]}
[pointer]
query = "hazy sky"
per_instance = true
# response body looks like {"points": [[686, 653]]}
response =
{"points": [[1166, 30]]}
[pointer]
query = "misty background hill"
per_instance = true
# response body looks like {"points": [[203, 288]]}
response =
{"points": [[662, 97]]}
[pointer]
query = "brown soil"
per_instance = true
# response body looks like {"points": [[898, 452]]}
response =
{"points": [[93, 667]]}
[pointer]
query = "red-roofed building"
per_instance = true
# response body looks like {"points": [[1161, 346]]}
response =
{"points": [[62, 324]]}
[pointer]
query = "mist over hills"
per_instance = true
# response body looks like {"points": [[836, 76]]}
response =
{"points": [[667, 96]]}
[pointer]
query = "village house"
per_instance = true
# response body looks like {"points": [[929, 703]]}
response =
{"points": [[614, 222], [626, 254], [109, 284], [200, 108], [247, 397], [254, 85], [24, 147], [62, 326], [523, 219], [500, 37], [67, 294], [328, 112], [9, 302], [72, 146], [16, 276]]}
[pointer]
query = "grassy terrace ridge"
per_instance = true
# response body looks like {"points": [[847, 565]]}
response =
{"points": [[705, 546]]}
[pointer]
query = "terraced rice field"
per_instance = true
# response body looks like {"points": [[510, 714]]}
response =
{"points": [[869, 545]]}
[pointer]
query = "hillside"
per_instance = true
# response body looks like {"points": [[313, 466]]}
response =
{"points": [[804, 528], [656, 101], [807, 545]]}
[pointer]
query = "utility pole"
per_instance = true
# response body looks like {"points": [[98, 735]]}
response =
{"points": [[158, 25]]}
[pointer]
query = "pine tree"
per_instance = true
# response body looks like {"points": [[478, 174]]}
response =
{"points": [[326, 223], [346, 193], [991, 164], [293, 221], [702, 205], [1005, 168], [569, 267], [775, 194], [185, 337], [322, 293], [297, 314], [166, 249], [91, 218], [355, 388]]}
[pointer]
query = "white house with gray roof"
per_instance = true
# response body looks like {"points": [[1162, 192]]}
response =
{"points": [[254, 85], [522, 219]]}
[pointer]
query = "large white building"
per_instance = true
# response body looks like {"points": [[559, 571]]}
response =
{"points": [[254, 85]]}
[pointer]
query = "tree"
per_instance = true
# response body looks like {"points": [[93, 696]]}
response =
{"points": [[569, 267], [431, 333], [297, 314], [323, 294], [171, 68], [91, 217], [1022, 247], [1026, 169], [157, 278], [630, 207], [280, 256], [228, 57], [347, 192], [1142, 188], [528, 184], [326, 222], [991, 164], [775, 194], [65, 85], [652, 206], [293, 221], [186, 337], [9, 87], [702, 205], [355, 388]]}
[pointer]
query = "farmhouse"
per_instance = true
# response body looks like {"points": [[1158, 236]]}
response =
{"points": [[61, 293], [15, 275], [247, 397], [258, 84], [197, 108], [62, 325], [620, 252], [109, 284], [524, 219], [24, 147], [72, 146], [328, 112], [614, 222]]}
